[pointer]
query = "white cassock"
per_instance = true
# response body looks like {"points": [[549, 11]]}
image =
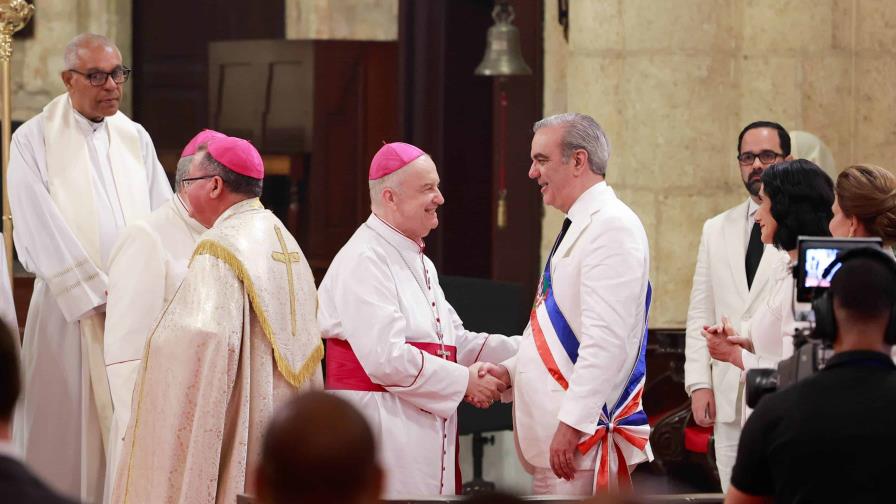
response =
{"points": [[381, 295], [73, 185], [7, 305], [146, 267], [237, 340]]}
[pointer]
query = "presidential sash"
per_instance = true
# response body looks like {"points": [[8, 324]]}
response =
{"points": [[622, 430]]}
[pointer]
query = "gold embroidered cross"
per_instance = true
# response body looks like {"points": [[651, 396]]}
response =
{"points": [[288, 258]]}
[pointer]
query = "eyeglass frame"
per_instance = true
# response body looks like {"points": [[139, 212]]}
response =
{"points": [[184, 181], [759, 156], [125, 71]]}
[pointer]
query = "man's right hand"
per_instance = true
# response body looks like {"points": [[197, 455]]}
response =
{"points": [[703, 407], [483, 390]]}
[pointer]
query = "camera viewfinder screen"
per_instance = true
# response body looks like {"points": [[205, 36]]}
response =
{"points": [[817, 260]]}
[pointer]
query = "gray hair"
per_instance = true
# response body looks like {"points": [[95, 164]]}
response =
{"points": [[71, 57], [183, 166], [392, 181], [581, 132]]}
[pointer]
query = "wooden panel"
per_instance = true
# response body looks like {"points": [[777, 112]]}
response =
{"points": [[261, 90], [450, 112], [170, 81], [516, 254], [355, 99]]}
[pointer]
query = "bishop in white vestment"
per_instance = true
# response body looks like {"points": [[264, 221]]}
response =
{"points": [[146, 267], [79, 172], [395, 348], [239, 338]]}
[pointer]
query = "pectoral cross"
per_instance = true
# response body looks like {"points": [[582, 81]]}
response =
{"points": [[441, 352], [288, 258]]}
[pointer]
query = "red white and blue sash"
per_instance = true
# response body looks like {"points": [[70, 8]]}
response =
{"points": [[622, 431]]}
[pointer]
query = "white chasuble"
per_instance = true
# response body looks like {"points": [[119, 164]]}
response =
{"points": [[73, 184], [146, 266], [381, 295], [237, 340]]}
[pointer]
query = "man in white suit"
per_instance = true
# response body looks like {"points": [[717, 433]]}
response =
{"points": [[731, 279], [579, 367]]}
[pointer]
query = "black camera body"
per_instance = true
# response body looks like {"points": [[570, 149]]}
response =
{"points": [[818, 260]]}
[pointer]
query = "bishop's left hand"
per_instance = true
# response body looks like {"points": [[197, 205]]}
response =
{"points": [[563, 451]]}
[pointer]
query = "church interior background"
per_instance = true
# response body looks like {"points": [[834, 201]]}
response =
{"points": [[318, 85]]}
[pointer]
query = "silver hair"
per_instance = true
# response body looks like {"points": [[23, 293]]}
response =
{"points": [[392, 181], [581, 131], [183, 166], [71, 57]]}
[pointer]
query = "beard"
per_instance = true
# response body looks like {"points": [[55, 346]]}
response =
{"points": [[754, 182]]}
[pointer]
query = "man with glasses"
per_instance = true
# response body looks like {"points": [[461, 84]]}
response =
{"points": [[79, 172], [730, 248], [146, 267]]}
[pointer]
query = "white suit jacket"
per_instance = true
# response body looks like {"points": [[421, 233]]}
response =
{"points": [[720, 288], [599, 276]]}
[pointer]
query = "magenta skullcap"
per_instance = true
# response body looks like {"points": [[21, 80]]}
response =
{"points": [[238, 155], [392, 157], [201, 138]]}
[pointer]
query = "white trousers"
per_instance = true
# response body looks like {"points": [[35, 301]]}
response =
{"points": [[727, 436], [544, 482]]}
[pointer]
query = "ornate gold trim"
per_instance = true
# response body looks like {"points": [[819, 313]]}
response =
{"points": [[296, 377]]}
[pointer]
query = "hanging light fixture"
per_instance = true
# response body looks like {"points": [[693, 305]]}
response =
{"points": [[503, 58]]}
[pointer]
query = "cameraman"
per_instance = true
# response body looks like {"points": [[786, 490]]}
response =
{"points": [[831, 437]]}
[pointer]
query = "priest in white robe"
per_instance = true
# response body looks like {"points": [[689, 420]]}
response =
{"points": [[79, 172], [239, 338], [395, 348], [146, 267]]}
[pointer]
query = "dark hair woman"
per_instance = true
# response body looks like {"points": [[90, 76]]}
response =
{"points": [[796, 200]]}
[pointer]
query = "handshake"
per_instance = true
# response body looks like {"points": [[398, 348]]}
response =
{"points": [[487, 382]]}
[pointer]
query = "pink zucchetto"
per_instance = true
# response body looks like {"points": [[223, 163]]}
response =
{"points": [[201, 138], [238, 155], [392, 157]]}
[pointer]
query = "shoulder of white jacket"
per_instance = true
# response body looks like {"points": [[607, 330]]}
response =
{"points": [[721, 218]]}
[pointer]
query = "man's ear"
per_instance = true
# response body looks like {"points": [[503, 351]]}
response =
{"points": [[67, 78], [217, 187], [580, 158], [389, 196], [789, 157]]}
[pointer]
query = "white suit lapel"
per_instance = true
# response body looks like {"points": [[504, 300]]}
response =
{"points": [[736, 248], [594, 202]]}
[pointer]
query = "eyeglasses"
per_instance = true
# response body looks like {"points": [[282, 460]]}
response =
{"points": [[185, 183], [765, 157], [119, 76]]}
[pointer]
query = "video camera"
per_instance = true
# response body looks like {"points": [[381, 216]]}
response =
{"points": [[813, 278]]}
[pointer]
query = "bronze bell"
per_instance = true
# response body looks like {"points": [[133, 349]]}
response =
{"points": [[502, 49]]}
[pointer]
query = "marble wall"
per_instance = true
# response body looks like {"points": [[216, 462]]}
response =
{"points": [[673, 83], [37, 61]]}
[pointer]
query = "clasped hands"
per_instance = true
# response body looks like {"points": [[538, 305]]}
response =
{"points": [[487, 382], [725, 344]]}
